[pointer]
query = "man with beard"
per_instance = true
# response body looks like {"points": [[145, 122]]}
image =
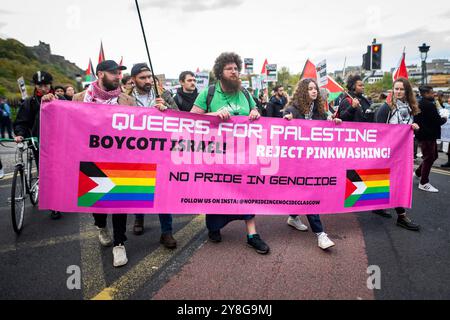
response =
{"points": [[277, 103], [28, 117], [224, 99], [143, 91], [186, 95], [145, 97], [107, 90]]}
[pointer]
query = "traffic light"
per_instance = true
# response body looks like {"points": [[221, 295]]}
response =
{"points": [[377, 50]]}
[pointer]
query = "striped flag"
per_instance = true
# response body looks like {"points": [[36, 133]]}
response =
{"points": [[116, 185], [309, 71], [101, 55], [90, 74], [367, 188], [264, 70]]}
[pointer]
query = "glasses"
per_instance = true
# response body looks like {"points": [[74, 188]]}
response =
{"points": [[191, 80]]}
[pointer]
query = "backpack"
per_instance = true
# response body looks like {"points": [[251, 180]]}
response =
{"points": [[212, 90]]}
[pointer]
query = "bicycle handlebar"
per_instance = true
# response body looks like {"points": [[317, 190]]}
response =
{"points": [[33, 139]]}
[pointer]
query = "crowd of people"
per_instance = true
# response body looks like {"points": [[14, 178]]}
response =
{"points": [[227, 98]]}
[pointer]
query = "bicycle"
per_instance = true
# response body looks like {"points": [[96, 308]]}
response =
{"points": [[25, 180]]}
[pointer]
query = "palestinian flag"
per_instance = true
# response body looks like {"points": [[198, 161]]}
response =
{"points": [[90, 74], [263, 69], [309, 71], [367, 188], [401, 71], [334, 89], [101, 54], [116, 185]]}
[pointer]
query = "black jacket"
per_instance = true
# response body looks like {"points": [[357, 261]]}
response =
{"points": [[348, 113], [297, 115], [383, 114], [184, 100], [27, 120], [274, 107], [429, 121]]}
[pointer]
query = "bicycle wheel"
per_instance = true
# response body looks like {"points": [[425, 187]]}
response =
{"points": [[18, 193], [32, 183]]}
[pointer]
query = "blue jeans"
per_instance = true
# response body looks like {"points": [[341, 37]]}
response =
{"points": [[164, 219], [314, 222]]}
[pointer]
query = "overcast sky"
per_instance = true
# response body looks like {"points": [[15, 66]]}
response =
{"points": [[186, 34]]}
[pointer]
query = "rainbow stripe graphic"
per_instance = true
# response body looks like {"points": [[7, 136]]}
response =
{"points": [[367, 188], [116, 185]]}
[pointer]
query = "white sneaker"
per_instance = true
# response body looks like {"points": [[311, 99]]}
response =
{"points": [[297, 223], [428, 187], [324, 241], [120, 256], [2, 173], [104, 237]]}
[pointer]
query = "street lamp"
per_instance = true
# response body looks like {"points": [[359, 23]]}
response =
{"points": [[423, 55]]}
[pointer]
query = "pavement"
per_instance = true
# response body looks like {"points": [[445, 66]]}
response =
{"points": [[414, 265]]}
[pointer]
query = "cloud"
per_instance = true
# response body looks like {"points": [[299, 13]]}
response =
{"points": [[190, 5]]}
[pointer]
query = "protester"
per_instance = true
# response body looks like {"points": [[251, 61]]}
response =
{"points": [[107, 90], [225, 99], [308, 104], [439, 99], [446, 105], [430, 123], [144, 94], [59, 92], [277, 103], [355, 105], [5, 121], [28, 117], [262, 106], [401, 109], [69, 92], [187, 93], [127, 83]]}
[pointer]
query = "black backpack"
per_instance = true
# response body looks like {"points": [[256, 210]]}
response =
{"points": [[212, 90]]}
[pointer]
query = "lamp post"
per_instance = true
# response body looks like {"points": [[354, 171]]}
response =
{"points": [[423, 55]]}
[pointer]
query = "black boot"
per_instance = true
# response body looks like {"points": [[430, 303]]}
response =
{"points": [[55, 215], [382, 213], [406, 223]]}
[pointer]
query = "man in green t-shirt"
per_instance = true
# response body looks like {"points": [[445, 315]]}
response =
{"points": [[229, 99]]}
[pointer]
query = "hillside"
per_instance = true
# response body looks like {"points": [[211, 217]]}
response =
{"points": [[18, 60]]}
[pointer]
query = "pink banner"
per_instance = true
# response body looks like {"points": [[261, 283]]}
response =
{"points": [[118, 159]]}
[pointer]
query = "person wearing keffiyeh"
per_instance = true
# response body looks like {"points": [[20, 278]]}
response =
{"points": [[106, 90], [402, 109]]}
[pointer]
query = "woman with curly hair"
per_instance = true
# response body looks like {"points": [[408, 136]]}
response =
{"points": [[400, 110], [307, 104]]}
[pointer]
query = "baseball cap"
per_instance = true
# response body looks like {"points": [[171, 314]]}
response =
{"points": [[138, 68], [42, 77], [109, 65]]}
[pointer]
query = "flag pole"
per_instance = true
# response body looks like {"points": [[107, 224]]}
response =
{"points": [[155, 84]]}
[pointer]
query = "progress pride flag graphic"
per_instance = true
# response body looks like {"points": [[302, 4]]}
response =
{"points": [[119, 159]]}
